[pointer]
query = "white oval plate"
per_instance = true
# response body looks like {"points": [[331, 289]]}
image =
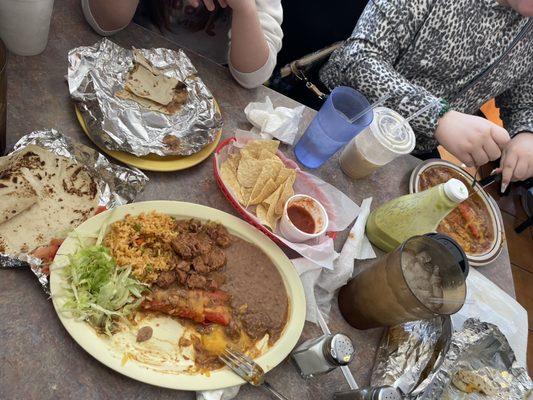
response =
{"points": [[99, 346]]}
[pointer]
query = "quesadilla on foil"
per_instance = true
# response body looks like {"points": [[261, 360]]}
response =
{"points": [[44, 196], [152, 89]]}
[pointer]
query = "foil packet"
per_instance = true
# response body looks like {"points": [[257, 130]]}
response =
{"points": [[424, 364], [97, 72], [117, 186]]}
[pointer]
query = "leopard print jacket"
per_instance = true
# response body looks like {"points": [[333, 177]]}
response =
{"points": [[425, 50]]}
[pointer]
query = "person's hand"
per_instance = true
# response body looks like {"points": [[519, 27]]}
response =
{"points": [[517, 160], [236, 5], [473, 140]]}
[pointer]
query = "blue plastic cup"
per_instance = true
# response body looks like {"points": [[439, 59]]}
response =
{"points": [[331, 129]]}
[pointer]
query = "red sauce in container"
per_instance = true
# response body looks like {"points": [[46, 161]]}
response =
{"points": [[301, 218]]}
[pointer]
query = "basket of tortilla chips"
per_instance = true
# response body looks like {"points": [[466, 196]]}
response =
{"points": [[257, 179]]}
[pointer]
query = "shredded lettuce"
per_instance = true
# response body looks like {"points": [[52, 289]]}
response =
{"points": [[97, 291]]}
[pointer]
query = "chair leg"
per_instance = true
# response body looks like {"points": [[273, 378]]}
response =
{"points": [[524, 225]]}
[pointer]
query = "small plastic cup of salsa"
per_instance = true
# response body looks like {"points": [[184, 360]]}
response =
{"points": [[303, 218]]}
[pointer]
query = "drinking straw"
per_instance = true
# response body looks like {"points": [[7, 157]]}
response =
{"points": [[344, 368], [380, 101], [413, 116]]}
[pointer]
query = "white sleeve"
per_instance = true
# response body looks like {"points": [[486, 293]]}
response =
{"points": [[270, 15]]}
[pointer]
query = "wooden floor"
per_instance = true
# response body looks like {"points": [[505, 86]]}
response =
{"points": [[520, 246]]}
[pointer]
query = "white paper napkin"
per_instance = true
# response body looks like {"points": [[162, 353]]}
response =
{"points": [[486, 301], [320, 284], [221, 394], [280, 122]]}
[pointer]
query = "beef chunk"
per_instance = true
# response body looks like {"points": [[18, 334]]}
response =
{"points": [[212, 285], [188, 246], [215, 259], [218, 234], [200, 266], [165, 279], [183, 265], [195, 281], [195, 225], [182, 276]]}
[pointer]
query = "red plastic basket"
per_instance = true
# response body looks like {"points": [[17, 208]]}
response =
{"points": [[238, 207]]}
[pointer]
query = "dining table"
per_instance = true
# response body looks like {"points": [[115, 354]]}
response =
{"points": [[38, 358]]}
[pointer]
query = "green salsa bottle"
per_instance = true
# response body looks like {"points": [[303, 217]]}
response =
{"points": [[414, 214]]}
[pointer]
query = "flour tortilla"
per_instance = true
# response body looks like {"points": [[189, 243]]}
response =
{"points": [[66, 196], [16, 195], [151, 89]]}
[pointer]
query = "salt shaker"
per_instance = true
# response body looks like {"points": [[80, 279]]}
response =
{"points": [[323, 354]]}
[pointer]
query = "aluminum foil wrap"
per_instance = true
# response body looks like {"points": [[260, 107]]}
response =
{"points": [[117, 185], [408, 352], [479, 348], [97, 72]]}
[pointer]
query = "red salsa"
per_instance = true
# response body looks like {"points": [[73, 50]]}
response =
{"points": [[301, 218]]}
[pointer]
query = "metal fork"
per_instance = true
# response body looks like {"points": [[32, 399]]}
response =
{"points": [[248, 370]]}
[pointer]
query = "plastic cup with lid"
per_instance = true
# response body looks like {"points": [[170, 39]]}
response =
{"points": [[386, 138]]}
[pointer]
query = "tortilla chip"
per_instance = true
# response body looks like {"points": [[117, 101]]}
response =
{"points": [[261, 213], [255, 146], [245, 195], [286, 193], [229, 177], [250, 169], [233, 160], [265, 191], [248, 172], [267, 155], [284, 174]]}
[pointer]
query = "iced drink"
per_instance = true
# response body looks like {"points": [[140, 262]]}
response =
{"points": [[387, 137], [421, 279]]}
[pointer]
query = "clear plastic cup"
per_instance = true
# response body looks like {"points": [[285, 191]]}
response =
{"points": [[24, 25], [395, 289], [331, 129], [387, 137]]}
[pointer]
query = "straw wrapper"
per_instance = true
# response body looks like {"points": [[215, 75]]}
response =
{"points": [[117, 185]]}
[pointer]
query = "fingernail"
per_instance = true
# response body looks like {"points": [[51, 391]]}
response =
{"points": [[504, 187], [463, 165], [493, 171]]}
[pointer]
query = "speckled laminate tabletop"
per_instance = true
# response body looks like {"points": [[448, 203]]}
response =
{"points": [[38, 359]]}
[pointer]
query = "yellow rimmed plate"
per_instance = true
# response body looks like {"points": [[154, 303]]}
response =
{"points": [[153, 162], [100, 347]]}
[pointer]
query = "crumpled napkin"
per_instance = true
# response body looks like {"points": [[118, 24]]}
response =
{"points": [[320, 284], [280, 122], [220, 394]]}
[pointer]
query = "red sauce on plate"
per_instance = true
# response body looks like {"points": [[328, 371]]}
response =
{"points": [[301, 218]]}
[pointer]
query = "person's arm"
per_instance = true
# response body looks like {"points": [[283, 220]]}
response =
{"points": [[516, 111], [366, 62], [107, 17], [255, 40]]}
